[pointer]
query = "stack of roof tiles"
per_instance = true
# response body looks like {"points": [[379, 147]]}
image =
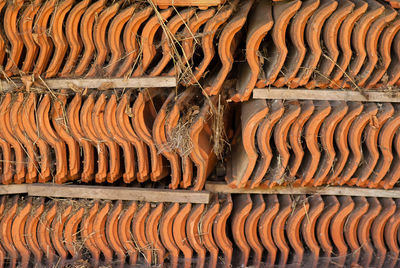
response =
{"points": [[314, 143], [103, 137], [233, 230], [321, 44], [219, 54]]}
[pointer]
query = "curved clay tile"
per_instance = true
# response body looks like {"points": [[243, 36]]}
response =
{"points": [[87, 233], [172, 28], [351, 226], [331, 37], [371, 155], [145, 112], [385, 45], [308, 227], [31, 225], [293, 228], [41, 38], [385, 142], [17, 127], [124, 231], [377, 230], [364, 231], [372, 39], [112, 225], [60, 125], [77, 133], [341, 134], [86, 30], [113, 38], [18, 232], [56, 235], [8, 136], [220, 225], [73, 37], [226, 46], [5, 230], [355, 135], [358, 39], [180, 236], [193, 235], [114, 133], [260, 23], [250, 228], [70, 233], [153, 235], [99, 38], [278, 230], [297, 53], [283, 13], [312, 33], [207, 42], [114, 172], [85, 118], [99, 232], [26, 31], [392, 227], [263, 137], [311, 131], [44, 235], [327, 132], [166, 236], [139, 232], [130, 41], [126, 129], [279, 164], [147, 40], [393, 174], [344, 41], [206, 226], [51, 137], [307, 109], [265, 228], [336, 228], [10, 25], [323, 223], [58, 37], [240, 169]]}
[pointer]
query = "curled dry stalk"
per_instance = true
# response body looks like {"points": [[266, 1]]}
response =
{"points": [[185, 74], [220, 140]]}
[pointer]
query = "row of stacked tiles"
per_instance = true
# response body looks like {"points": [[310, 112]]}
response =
{"points": [[107, 136], [236, 230], [314, 143]]}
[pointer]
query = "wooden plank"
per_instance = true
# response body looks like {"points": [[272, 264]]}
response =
{"points": [[180, 3], [99, 83], [13, 189], [328, 190], [318, 94], [7, 86], [118, 193], [138, 82]]}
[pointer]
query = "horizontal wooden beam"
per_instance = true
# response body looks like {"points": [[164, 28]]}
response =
{"points": [[118, 193], [98, 83], [328, 94], [328, 190], [180, 3], [13, 189]]}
